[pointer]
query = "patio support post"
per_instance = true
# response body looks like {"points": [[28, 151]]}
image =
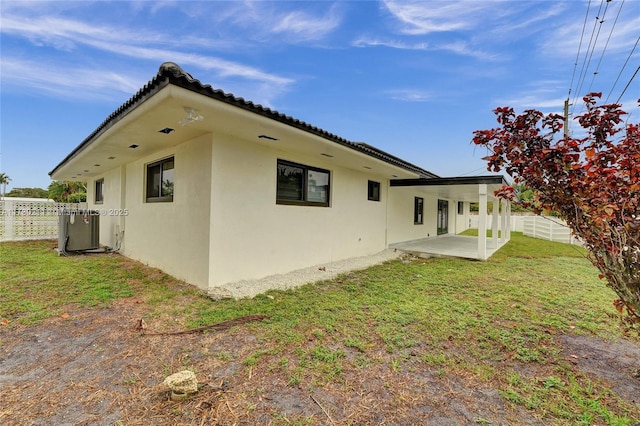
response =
{"points": [[482, 221], [508, 220], [503, 220], [494, 223]]}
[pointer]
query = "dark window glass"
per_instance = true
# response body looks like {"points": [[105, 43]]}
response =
{"points": [[290, 182], [460, 207], [373, 192], [167, 179], [418, 211], [99, 192], [160, 180], [302, 185], [443, 217], [317, 186], [153, 181]]}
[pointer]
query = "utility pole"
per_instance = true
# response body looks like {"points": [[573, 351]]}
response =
{"points": [[566, 117]]}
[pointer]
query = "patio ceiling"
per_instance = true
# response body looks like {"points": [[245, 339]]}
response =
{"points": [[465, 188]]}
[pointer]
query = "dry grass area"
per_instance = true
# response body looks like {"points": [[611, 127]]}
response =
{"points": [[94, 368], [328, 354]]}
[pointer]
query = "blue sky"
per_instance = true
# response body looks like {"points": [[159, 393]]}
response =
{"points": [[412, 78]]}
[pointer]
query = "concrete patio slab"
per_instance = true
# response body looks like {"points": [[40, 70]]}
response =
{"points": [[447, 246]]}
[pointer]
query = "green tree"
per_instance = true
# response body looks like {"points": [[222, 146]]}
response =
{"points": [[77, 197], [4, 181], [62, 191], [525, 195], [28, 193]]}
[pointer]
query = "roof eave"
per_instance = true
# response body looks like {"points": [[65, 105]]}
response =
{"points": [[146, 92], [171, 73]]}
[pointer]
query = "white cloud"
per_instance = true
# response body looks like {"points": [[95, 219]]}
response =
{"points": [[420, 17], [461, 47], [465, 28], [279, 22], [409, 95], [534, 101], [222, 67], [518, 22], [538, 94], [69, 82], [395, 44], [68, 35], [304, 26], [563, 39]]}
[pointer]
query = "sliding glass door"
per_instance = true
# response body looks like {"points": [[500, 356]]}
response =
{"points": [[443, 217]]}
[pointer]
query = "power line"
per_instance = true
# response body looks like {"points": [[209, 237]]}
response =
{"points": [[480, 169], [627, 86], [605, 46], [623, 67], [575, 65], [591, 47]]}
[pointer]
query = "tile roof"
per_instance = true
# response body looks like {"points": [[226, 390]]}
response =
{"points": [[171, 73]]}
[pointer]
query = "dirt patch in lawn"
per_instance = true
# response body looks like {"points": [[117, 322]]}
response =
{"points": [[615, 363], [95, 368]]}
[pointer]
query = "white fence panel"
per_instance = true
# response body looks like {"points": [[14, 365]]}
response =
{"points": [[548, 228], [543, 227], [517, 222], [32, 220]]}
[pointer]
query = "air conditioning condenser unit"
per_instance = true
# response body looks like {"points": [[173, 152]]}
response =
{"points": [[79, 230]]}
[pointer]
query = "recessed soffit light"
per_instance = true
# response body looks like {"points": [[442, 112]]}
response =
{"points": [[166, 130], [133, 146]]}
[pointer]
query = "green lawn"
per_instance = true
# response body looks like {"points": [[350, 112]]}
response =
{"points": [[468, 318]]}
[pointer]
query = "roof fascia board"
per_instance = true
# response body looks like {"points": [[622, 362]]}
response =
{"points": [[464, 180]]}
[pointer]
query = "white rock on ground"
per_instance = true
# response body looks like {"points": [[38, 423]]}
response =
{"points": [[182, 382], [326, 271]]}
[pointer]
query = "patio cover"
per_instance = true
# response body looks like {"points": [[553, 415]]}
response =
{"points": [[475, 189]]}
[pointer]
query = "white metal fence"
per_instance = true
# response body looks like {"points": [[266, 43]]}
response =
{"points": [[31, 219], [543, 227]]}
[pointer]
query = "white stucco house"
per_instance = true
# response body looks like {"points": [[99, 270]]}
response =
{"points": [[214, 189]]}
